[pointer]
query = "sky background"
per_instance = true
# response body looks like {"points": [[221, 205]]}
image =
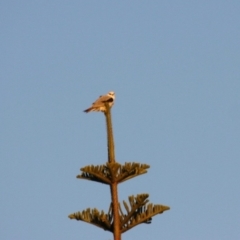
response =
{"points": [[175, 69]]}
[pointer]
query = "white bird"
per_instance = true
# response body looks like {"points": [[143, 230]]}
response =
{"points": [[99, 104]]}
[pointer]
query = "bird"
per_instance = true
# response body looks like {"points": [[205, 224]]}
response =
{"points": [[99, 104]]}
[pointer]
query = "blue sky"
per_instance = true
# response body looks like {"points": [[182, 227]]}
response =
{"points": [[174, 66]]}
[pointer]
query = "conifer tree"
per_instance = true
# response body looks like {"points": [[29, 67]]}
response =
{"points": [[137, 211]]}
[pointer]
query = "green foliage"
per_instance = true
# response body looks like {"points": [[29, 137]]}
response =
{"points": [[138, 212], [113, 172]]}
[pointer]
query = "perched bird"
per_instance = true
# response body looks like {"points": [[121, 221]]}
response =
{"points": [[98, 105]]}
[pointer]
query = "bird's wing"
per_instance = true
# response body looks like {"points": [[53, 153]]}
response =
{"points": [[103, 99]]}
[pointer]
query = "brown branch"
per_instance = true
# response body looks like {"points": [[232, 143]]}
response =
{"points": [[113, 185]]}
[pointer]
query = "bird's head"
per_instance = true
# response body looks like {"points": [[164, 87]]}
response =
{"points": [[112, 94]]}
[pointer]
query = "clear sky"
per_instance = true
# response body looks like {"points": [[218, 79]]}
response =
{"points": [[175, 68]]}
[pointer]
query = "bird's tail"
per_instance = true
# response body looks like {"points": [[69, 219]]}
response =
{"points": [[88, 110]]}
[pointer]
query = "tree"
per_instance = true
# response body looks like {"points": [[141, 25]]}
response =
{"points": [[113, 173]]}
